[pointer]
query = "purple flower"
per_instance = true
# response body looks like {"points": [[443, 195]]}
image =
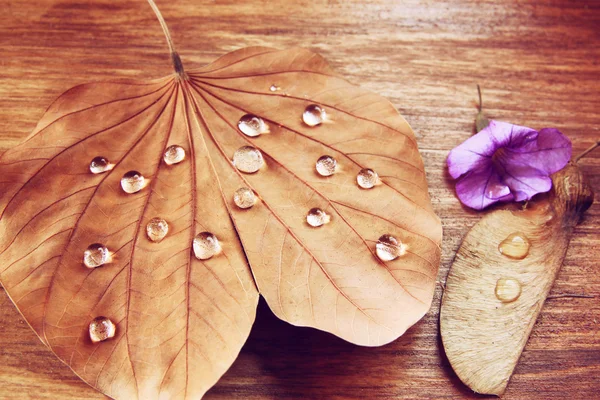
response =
{"points": [[506, 162]]}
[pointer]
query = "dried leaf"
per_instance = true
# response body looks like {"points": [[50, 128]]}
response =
{"points": [[181, 321], [500, 279]]}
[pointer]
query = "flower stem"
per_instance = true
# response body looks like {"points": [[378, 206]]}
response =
{"points": [[480, 101], [592, 147], [177, 65]]}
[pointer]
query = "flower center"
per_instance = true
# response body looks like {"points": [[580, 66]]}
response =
{"points": [[498, 160]]}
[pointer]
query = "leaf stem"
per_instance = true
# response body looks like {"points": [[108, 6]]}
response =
{"points": [[592, 147], [177, 65]]}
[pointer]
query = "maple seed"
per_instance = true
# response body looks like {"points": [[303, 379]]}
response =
{"points": [[248, 159], [96, 255], [206, 245], [132, 182], [326, 165], [157, 229], [101, 329], [317, 217], [244, 198], [99, 165], [389, 248], [367, 178], [251, 125], [174, 155], [314, 115]]}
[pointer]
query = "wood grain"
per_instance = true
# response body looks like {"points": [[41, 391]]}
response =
{"points": [[537, 62]]}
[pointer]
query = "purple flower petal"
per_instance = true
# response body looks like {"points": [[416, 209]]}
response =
{"points": [[506, 162]]}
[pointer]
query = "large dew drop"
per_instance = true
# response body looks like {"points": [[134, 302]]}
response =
{"points": [[248, 159], [251, 125], [389, 248], [157, 229], [507, 289], [99, 165], [367, 178], [174, 155], [244, 198], [326, 165], [314, 115], [206, 245], [317, 217], [101, 329], [96, 255], [515, 246], [132, 182]]}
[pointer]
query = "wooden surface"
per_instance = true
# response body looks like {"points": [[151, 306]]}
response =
{"points": [[538, 64]]}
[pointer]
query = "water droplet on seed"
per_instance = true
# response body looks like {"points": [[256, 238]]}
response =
{"points": [[174, 154], [132, 182], [96, 255], [101, 329], [516, 246], [367, 178], [314, 115], [317, 217], [389, 248], [157, 229], [251, 125], [244, 197], [206, 245], [326, 165], [99, 165], [273, 88], [507, 289], [248, 159]]}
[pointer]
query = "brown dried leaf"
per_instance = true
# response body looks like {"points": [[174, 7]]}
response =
{"points": [[484, 336], [180, 321]]}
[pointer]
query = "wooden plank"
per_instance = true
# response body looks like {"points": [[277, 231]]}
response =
{"points": [[538, 64]]}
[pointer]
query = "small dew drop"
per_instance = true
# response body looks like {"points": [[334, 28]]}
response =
{"points": [[174, 155], [132, 182], [244, 198], [326, 165], [317, 217], [157, 229], [96, 255], [101, 329], [367, 178], [273, 88], [389, 248], [507, 289], [516, 246], [206, 245], [251, 125], [99, 165], [314, 115], [248, 159]]}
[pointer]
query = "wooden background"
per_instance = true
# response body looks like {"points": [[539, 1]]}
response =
{"points": [[538, 64]]}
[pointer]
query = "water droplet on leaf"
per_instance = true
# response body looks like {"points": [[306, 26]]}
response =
{"points": [[367, 178], [244, 197], [314, 115], [157, 229], [248, 159], [251, 125], [174, 155], [101, 329], [132, 182], [96, 255], [273, 88], [206, 245], [389, 248], [516, 246], [326, 165], [317, 217], [507, 289], [99, 165]]}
